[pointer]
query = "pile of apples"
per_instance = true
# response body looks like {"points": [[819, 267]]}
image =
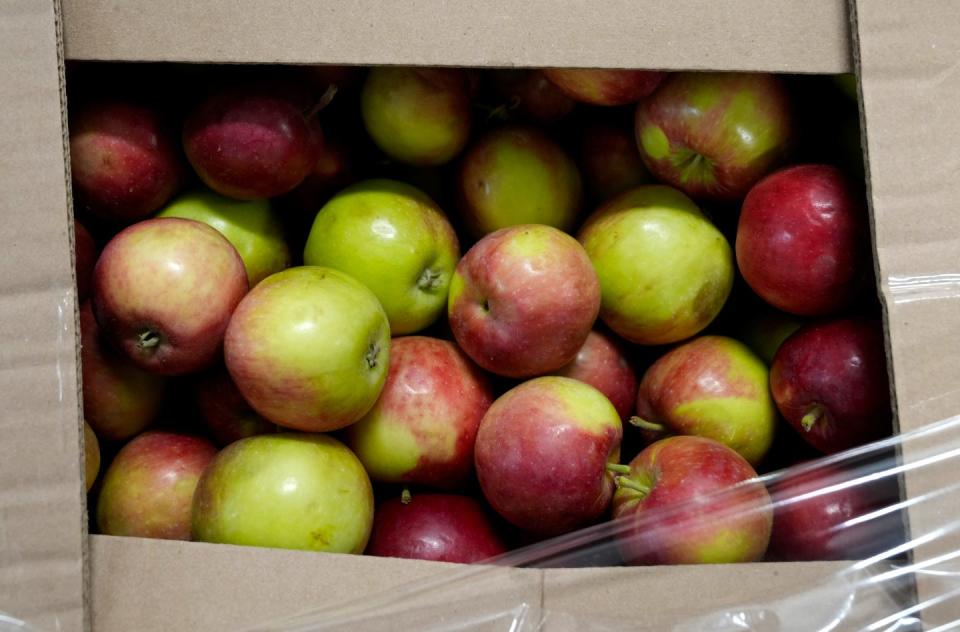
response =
{"points": [[438, 313]]}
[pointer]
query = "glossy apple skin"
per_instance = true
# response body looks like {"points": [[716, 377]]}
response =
{"points": [[148, 489], [249, 226], [532, 95], [437, 527], [309, 349], [713, 135], [598, 86], [542, 452], [394, 239], [290, 491], [418, 116], [838, 368], [602, 363], [609, 160], [713, 387], [517, 175], [803, 240], [665, 271], [85, 257], [119, 399], [691, 515], [91, 456], [523, 300], [250, 144], [424, 425], [223, 410], [123, 161], [174, 282]]}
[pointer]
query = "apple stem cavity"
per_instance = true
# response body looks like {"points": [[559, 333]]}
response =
{"points": [[429, 280], [148, 339], [812, 417], [323, 102], [618, 468], [624, 482], [640, 422], [406, 496]]}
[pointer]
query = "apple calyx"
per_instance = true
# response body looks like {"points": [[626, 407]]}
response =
{"points": [[406, 496], [813, 415], [148, 339], [642, 423], [429, 280], [625, 482], [372, 355]]}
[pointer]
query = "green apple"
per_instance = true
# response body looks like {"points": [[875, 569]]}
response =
{"points": [[309, 349], [766, 330], [392, 238], [249, 225], [290, 491], [665, 271]]}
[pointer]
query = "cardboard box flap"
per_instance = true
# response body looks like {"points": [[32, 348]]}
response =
{"points": [[780, 35]]}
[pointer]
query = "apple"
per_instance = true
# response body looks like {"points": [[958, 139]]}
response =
{"points": [[545, 453], [418, 116], [123, 161], [517, 175], [665, 271], [290, 491], [120, 400], [530, 93], [523, 300], [423, 427], [766, 329], [803, 241], [714, 387], [309, 349], [249, 226], [829, 380], [609, 160], [714, 134], [91, 456], [223, 410], [437, 527], [603, 364], [148, 489], [605, 86], [394, 239], [85, 258], [251, 143], [691, 500], [164, 290], [847, 84]]}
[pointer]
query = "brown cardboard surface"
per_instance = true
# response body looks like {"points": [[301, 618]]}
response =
{"points": [[42, 519], [783, 35]]}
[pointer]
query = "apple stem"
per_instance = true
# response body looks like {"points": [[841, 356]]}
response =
{"points": [[640, 422], [628, 483], [148, 339], [812, 417], [429, 280], [617, 468], [323, 102], [406, 496]]}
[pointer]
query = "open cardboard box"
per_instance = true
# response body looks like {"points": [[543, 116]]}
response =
{"points": [[54, 577]]}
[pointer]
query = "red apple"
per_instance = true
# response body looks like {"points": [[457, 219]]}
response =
{"points": [[829, 381], [164, 290], [224, 411], [803, 242], [686, 501], [603, 364], [85, 256], [609, 160], [251, 144], [543, 451], [423, 427], [713, 135], [598, 86], [119, 399], [523, 300], [148, 489], [533, 95], [438, 527]]}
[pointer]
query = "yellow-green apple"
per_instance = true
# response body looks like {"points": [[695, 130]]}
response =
{"points": [[605, 86], [164, 290], [765, 330], [847, 84], [394, 239], [423, 427], [523, 300], [418, 116], [289, 491], [603, 364], [91, 456], [803, 240], [249, 226], [309, 349], [119, 399], [545, 454], [123, 161], [691, 500], [223, 410], [251, 143], [714, 134], [665, 271], [829, 380], [438, 527], [530, 93], [609, 160], [147, 491], [85, 258], [714, 387], [517, 175]]}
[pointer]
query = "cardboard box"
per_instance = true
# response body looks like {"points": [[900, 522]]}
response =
{"points": [[907, 57]]}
